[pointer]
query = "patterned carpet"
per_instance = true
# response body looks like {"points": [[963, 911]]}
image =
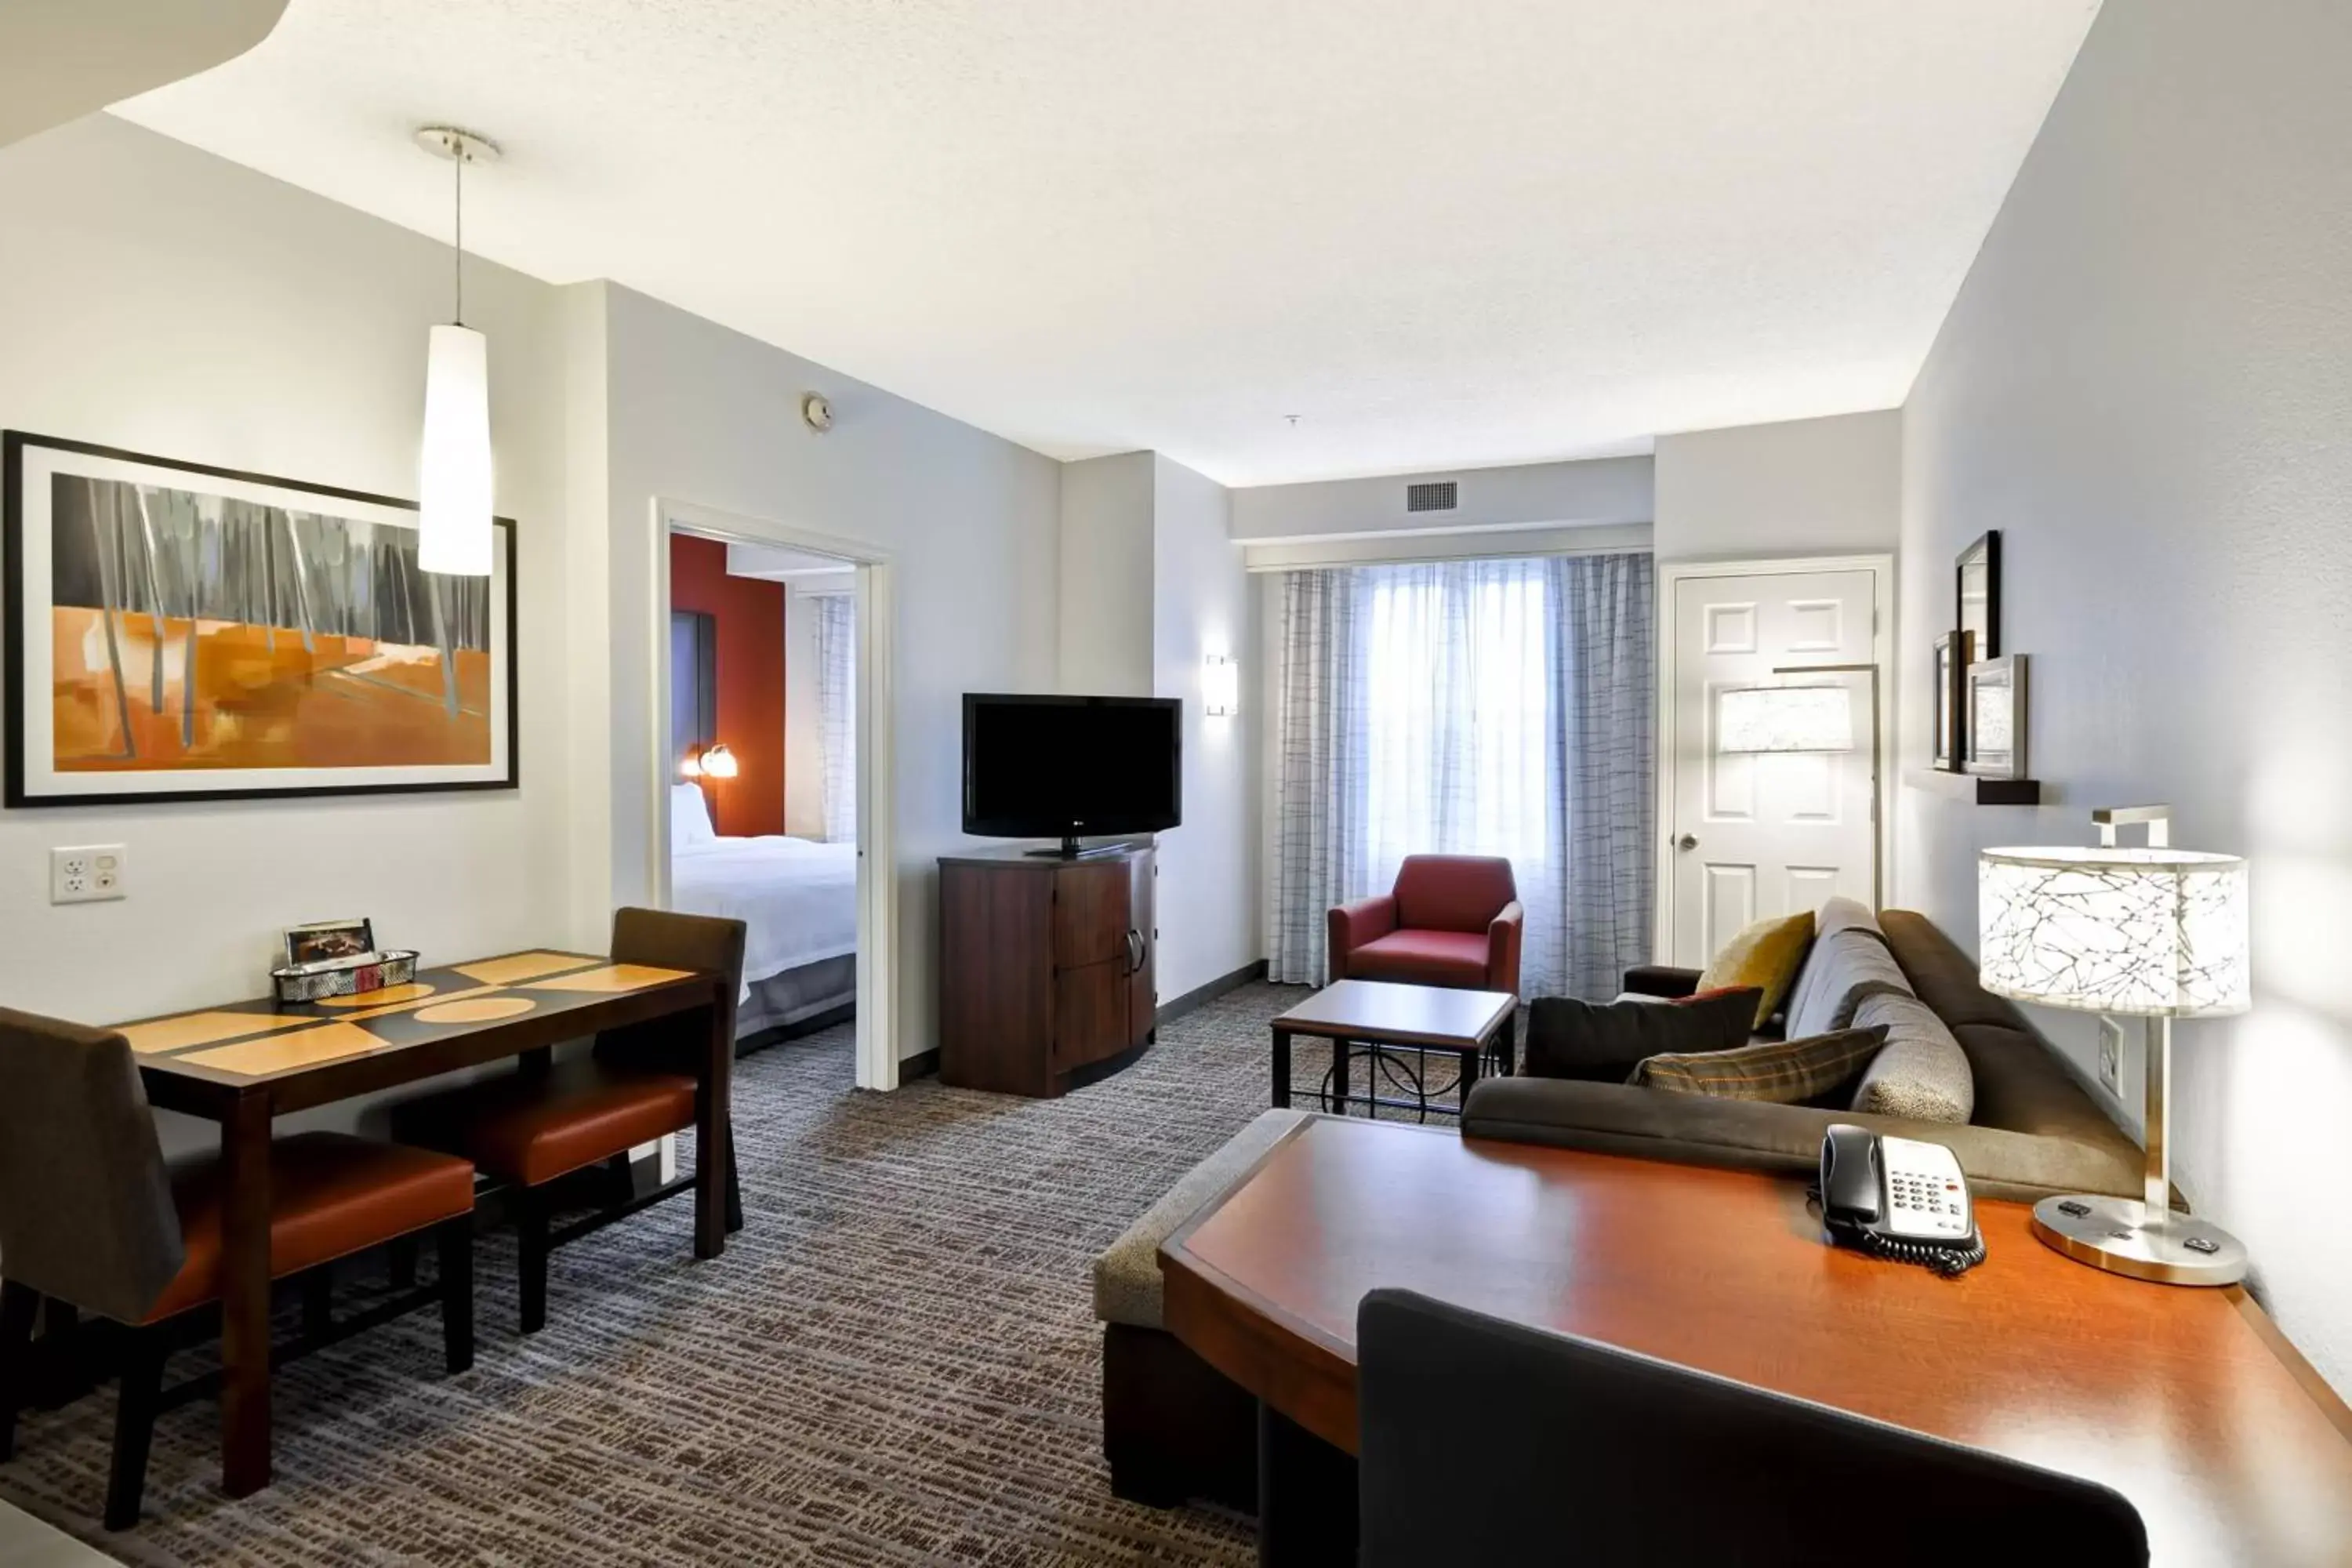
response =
{"points": [[896, 1362]]}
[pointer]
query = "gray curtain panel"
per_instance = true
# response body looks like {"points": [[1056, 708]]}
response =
{"points": [[1474, 707], [836, 708]]}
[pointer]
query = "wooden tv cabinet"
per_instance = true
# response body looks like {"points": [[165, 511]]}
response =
{"points": [[1046, 967]]}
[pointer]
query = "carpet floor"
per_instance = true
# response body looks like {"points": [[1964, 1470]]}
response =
{"points": [[896, 1361]]}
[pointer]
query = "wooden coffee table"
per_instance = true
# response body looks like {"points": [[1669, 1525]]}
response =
{"points": [[2187, 1402], [1383, 1016]]}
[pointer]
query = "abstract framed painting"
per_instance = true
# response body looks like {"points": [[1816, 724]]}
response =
{"points": [[181, 632]]}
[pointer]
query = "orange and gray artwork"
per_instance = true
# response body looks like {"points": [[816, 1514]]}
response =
{"points": [[200, 631]]}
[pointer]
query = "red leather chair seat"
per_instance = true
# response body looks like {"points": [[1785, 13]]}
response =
{"points": [[1454, 958], [533, 1130], [331, 1195]]}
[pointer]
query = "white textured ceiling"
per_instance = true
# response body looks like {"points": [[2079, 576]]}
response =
{"points": [[1441, 232]]}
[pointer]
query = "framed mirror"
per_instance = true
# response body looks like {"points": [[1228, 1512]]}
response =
{"points": [[1980, 595]]}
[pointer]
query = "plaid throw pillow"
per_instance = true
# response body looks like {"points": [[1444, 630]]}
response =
{"points": [[1782, 1072]]}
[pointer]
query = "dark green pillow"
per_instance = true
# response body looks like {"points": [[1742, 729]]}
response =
{"points": [[1602, 1041]]}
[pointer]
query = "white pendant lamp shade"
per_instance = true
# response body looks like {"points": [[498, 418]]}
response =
{"points": [[2159, 931], [454, 473]]}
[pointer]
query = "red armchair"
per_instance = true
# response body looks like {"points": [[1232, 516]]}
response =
{"points": [[1453, 920]]}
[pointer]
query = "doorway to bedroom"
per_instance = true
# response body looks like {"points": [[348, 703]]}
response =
{"points": [[765, 705]]}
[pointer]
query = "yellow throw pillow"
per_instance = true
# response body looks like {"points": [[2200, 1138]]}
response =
{"points": [[1765, 955]]}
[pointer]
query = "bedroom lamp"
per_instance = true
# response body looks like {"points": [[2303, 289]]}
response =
{"points": [[719, 762], [2157, 933]]}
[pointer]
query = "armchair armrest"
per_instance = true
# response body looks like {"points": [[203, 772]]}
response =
{"points": [[1350, 926], [1661, 980], [1504, 935]]}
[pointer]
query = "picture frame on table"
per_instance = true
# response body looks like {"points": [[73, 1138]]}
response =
{"points": [[180, 632], [1996, 713], [1951, 705], [319, 941]]}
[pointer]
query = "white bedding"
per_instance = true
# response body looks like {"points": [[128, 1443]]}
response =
{"points": [[797, 898]]}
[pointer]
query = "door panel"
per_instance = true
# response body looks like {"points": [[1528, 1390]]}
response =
{"points": [[1090, 1013], [1759, 835], [1144, 913], [1091, 913]]}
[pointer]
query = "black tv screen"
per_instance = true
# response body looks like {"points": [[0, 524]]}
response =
{"points": [[1060, 767]]}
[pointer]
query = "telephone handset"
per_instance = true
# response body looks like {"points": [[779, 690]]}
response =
{"points": [[1900, 1198]]}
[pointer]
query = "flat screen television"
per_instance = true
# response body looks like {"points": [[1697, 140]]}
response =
{"points": [[1063, 767]]}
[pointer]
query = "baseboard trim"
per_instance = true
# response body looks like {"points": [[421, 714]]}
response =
{"points": [[922, 1064], [1201, 995]]}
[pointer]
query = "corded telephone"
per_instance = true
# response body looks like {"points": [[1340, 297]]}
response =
{"points": [[1899, 1198]]}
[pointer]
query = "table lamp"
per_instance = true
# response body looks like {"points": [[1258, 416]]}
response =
{"points": [[2160, 934]]}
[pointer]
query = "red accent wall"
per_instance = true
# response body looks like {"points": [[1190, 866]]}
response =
{"points": [[750, 616]]}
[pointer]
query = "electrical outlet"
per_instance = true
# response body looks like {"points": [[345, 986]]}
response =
{"points": [[87, 874], [2111, 1056]]}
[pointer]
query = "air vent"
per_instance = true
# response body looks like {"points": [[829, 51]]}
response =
{"points": [[1438, 496]]}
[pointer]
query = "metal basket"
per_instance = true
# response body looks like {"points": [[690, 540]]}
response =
{"points": [[352, 976]]}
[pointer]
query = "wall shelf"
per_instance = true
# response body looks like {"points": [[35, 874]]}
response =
{"points": [[1974, 788]]}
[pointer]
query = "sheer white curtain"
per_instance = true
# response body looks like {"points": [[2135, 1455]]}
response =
{"points": [[1475, 708], [836, 708]]}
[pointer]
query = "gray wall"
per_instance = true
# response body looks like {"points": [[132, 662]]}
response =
{"points": [[2146, 384], [1803, 487]]}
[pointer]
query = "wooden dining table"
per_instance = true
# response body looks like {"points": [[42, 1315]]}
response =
{"points": [[244, 1064]]}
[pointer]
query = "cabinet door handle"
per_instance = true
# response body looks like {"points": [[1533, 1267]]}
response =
{"points": [[1134, 950]]}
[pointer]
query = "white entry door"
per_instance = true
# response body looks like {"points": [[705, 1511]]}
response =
{"points": [[1763, 834]]}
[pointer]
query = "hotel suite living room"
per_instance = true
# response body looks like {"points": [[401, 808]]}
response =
{"points": [[1099, 780]]}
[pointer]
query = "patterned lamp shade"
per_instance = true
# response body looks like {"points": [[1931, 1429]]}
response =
{"points": [[2157, 933], [1785, 718]]}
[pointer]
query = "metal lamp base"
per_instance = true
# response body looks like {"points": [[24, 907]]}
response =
{"points": [[2112, 1234]]}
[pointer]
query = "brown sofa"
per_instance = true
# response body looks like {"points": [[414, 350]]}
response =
{"points": [[2035, 1130], [1174, 1429]]}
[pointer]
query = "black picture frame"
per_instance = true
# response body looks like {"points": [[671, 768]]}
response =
{"points": [[14, 653], [1950, 706], [1976, 594]]}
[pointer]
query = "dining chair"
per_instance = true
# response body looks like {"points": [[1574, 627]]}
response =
{"points": [[92, 1217], [527, 1129], [1597, 1455]]}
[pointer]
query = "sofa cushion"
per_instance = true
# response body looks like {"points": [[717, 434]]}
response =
{"points": [[1846, 914], [1838, 973], [1424, 957], [1943, 976], [1779, 1072], [1603, 1040], [1923, 1073], [1127, 1275], [1765, 955]]}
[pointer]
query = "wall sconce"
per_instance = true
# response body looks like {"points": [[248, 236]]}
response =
{"points": [[1220, 686], [690, 765], [719, 762]]}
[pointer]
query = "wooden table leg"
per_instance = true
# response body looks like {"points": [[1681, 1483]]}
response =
{"points": [[245, 1295], [1281, 1069], [711, 1141]]}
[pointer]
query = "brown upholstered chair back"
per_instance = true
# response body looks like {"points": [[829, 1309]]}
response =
{"points": [[668, 940], [86, 1211]]}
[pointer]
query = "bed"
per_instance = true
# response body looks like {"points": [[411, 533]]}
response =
{"points": [[797, 899]]}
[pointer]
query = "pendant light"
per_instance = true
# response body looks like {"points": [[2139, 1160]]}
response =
{"points": [[452, 476]]}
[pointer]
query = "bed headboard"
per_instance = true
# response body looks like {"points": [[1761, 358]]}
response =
{"points": [[693, 683]]}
